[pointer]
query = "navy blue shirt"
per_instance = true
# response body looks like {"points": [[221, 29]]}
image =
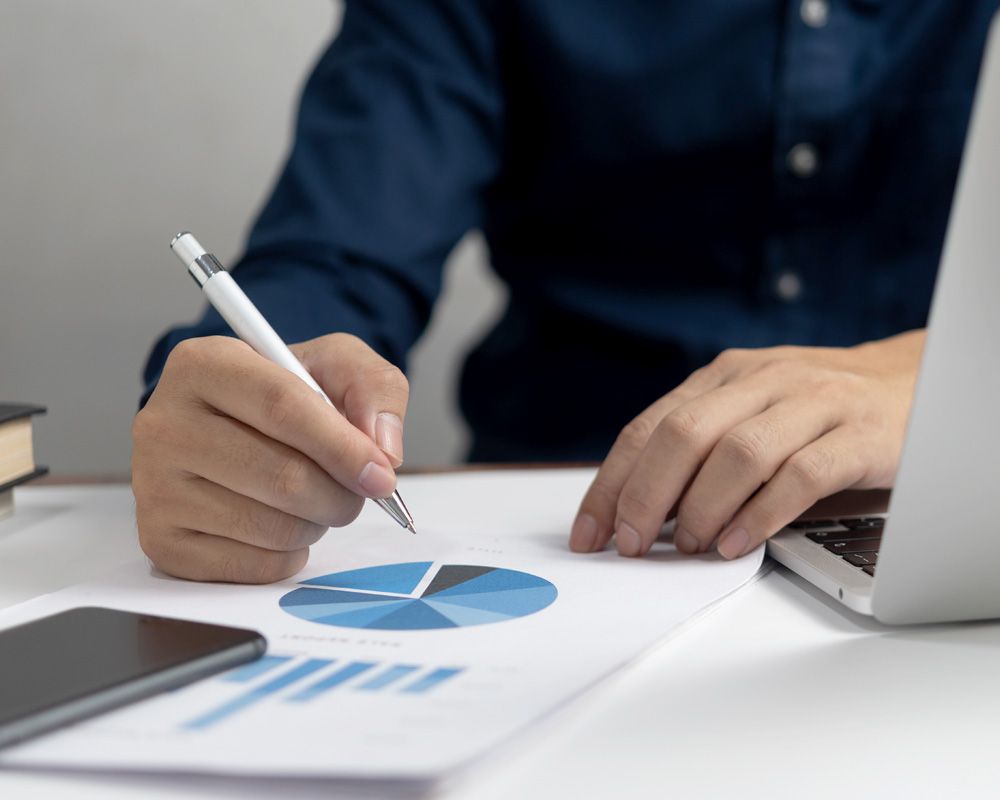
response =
{"points": [[657, 180]]}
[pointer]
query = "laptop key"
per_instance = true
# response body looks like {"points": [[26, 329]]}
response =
{"points": [[870, 569], [843, 536], [856, 546], [804, 524], [860, 523], [860, 559]]}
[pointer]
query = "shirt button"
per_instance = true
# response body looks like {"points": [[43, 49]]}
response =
{"points": [[788, 287], [815, 13], [803, 160]]}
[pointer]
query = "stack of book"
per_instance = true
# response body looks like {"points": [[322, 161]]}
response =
{"points": [[17, 452]]}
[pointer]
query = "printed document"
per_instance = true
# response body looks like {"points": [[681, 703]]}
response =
{"points": [[396, 656]]}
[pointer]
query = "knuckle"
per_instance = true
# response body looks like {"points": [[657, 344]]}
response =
{"points": [[698, 374], [780, 369], [183, 351], [283, 531], [770, 366], [680, 427], [276, 404], [290, 480], [346, 341], [266, 567], [635, 509], [149, 426], [139, 429], [392, 378], [343, 346], [146, 492], [149, 540], [810, 468], [635, 435], [729, 358], [848, 385], [385, 384], [274, 529], [186, 357], [237, 565], [603, 492], [152, 493], [162, 546], [747, 449], [233, 569]]}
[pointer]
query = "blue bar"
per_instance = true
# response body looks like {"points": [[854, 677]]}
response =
{"points": [[254, 669], [331, 681], [391, 675], [258, 693], [428, 682]]}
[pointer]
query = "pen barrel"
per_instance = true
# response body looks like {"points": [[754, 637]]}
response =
{"points": [[249, 324]]}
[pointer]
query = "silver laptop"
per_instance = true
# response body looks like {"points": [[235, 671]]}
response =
{"points": [[935, 556]]}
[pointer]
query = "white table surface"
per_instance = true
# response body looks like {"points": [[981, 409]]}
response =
{"points": [[777, 693]]}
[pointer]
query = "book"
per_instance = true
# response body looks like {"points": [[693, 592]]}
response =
{"points": [[17, 452]]}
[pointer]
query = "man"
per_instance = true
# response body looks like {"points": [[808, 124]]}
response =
{"points": [[659, 183]]}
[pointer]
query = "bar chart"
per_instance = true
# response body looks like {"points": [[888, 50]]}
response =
{"points": [[297, 681]]}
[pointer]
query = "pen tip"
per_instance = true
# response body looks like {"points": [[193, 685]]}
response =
{"points": [[410, 528]]}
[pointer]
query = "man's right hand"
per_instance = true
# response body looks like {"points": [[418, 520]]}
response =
{"points": [[238, 466]]}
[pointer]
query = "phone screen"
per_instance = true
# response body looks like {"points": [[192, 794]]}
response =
{"points": [[58, 668]]}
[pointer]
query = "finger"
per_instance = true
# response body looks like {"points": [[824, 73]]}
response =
{"points": [[231, 454], [831, 463], [213, 509], [202, 557], [594, 523], [673, 455], [371, 391], [230, 377], [745, 457]]}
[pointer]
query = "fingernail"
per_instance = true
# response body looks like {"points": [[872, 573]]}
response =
{"points": [[389, 435], [733, 543], [376, 480], [685, 541], [583, 537], [627, 540]]}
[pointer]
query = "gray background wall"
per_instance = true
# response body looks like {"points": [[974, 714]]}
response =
{"points": [[101, 162]]}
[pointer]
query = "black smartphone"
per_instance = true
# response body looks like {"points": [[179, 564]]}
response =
{"points": [[81, 662]]}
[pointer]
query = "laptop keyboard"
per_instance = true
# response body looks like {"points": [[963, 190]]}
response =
{"points": [[855, 539]]}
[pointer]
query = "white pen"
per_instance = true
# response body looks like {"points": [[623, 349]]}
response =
{"points": [[249, 324]]}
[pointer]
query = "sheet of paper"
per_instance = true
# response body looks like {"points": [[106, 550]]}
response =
{"points": [[395, 656]]}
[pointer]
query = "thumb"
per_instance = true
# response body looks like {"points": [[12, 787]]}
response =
{"points": [[370, 391]]}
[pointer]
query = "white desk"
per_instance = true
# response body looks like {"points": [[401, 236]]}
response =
{"points": [[778, 693]]}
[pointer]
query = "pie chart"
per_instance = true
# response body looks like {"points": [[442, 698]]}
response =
{"points": [[385, 597]]}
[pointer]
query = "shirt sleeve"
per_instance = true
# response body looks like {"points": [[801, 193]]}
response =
{"points": [[396, 140]]}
